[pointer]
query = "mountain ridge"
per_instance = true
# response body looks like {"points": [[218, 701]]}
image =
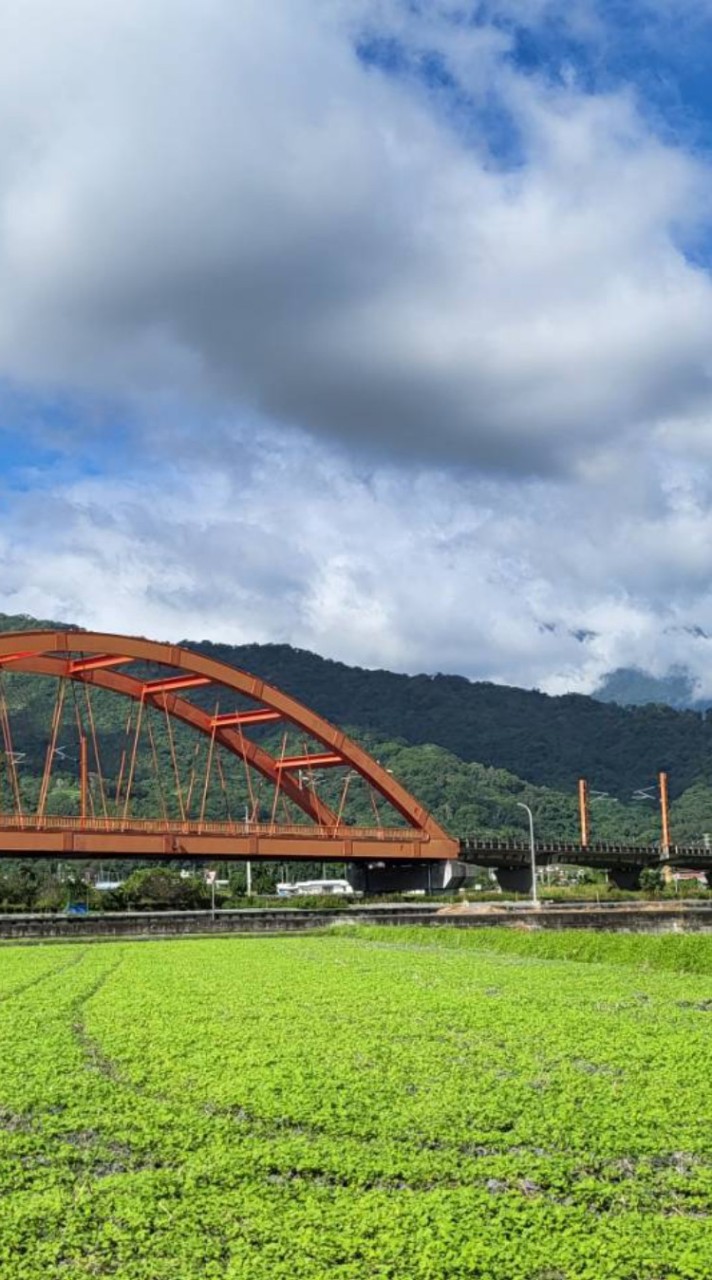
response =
{"points": [[546, 740]]}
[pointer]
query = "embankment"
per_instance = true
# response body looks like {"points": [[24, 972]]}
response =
{"points": [[635, 917]]}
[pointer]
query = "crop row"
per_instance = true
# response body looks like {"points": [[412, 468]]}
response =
{"points": [[670, 952], [376, 1105]]}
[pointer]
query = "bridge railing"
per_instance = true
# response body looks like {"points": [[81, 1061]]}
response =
{"points": [[470, 845], [157, 826]]}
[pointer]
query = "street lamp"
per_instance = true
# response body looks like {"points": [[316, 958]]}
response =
{"points": [[248, 864], [532, 850]]}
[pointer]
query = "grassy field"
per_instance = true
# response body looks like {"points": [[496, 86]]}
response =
{"points": [[402, 1103]]}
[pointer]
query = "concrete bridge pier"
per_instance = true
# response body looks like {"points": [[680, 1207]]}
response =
{"points": [[405, 877], [625, 877], [515, 879], [519, 879]]}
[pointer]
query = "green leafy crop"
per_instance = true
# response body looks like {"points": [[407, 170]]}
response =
{"points": [[389, 1103]]}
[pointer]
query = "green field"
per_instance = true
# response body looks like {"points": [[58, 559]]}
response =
{"points": [[377, 1103]]}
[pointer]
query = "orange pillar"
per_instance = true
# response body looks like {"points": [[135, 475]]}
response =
{"points": [[664, 815], [665, 822], [583, 811]]}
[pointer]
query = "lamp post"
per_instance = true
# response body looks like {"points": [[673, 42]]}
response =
{"points": [[532, 850], [248, 864], [211, 877]]}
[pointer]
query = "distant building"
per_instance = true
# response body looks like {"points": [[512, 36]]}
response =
{"points": [[315, 888], [702, 878]]}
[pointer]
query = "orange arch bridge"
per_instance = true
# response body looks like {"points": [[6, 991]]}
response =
{"points": [[195, 736]]}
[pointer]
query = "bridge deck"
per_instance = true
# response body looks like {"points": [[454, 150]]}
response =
{"points": [[136, 838], [514, 853], [67, 837]]}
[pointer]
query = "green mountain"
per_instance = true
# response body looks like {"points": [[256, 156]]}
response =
{"points": [[549, 741]]}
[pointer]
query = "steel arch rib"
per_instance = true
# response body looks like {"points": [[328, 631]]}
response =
{"points": [[20, 651], [129, 687]]}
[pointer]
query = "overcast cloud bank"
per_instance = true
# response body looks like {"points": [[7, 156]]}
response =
{"points": [[407, 337]]}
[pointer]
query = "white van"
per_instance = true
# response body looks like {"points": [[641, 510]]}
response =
{"points": [[315, 889]]}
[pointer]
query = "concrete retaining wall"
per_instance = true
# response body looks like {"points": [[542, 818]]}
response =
{"points": [[649, 918], [163, 924], [630, 917], [638, 918]]}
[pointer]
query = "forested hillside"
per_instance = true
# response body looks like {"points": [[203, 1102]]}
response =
{"points": [[549, 741]]}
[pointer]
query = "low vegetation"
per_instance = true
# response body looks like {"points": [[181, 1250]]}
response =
{"points": [[674, 953], [371, 1105]]}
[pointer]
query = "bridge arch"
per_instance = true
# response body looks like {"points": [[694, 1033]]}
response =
{"points": [[99, 660]]}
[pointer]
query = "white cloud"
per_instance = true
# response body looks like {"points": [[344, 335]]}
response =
{"points": [[224, 201], [422, 377], [413, 572]]}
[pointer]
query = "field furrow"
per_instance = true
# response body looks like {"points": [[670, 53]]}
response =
{"points": [[376, 1104]]}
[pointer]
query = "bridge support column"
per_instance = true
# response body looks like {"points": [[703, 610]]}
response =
{"points": [[625, 877], [514, 879], [405, 877]]}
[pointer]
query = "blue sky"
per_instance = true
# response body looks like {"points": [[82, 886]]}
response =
{"points": [[45, 437], [377, 327]]}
